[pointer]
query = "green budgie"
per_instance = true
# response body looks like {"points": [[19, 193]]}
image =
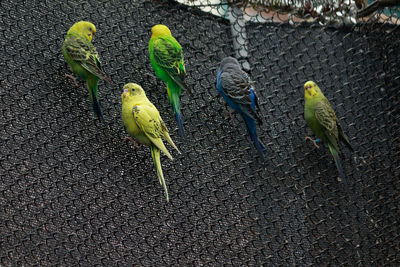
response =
{"points": [[166, 58], [83, 60], [322, 120]]}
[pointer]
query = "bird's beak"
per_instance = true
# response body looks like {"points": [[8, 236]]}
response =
{"points": [[308, 88], [125, 92]]}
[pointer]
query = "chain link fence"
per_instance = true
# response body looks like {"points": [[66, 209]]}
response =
{"points": [[72, 192]]}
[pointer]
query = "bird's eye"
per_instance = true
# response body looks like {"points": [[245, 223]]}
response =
{"points": [[90, 29]]}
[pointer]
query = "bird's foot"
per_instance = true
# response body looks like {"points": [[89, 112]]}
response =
{"points": [[134, 143], [229, 115], [313, 141], [73, 79]]}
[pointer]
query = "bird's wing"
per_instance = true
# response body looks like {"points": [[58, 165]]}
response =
{"points": [[236, 87], [145, 120], [168, 55], [326, 116], [83, 52]]}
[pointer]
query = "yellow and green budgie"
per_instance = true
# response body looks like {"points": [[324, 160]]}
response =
{"points": [[143, 122], [322, 120], [83, 60], [166, 58]]}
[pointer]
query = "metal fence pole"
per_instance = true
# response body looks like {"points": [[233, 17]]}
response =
{"points": [[239, 35]]}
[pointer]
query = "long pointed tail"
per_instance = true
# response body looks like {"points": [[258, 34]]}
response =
{"points": [[92, 88], [336, 157], [169, 140], [251, 128], [183, 84], [155, 154], [174, 93]]}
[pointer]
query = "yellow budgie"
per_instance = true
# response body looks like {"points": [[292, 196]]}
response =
{"points": [[143, 122]]}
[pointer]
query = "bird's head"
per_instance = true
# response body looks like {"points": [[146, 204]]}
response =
{"points": [[229, 62], [160, 30], [85, 29], [132, 90], [311, 90]]}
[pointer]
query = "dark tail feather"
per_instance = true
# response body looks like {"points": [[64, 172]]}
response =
{"points": [[343, 137], [182, 84], [336, 157], [251, 128], [187, 88], [97, 109], [92, 87], [179, 121], [107, 79], [347, 143], [257, 116], [103, 75]]}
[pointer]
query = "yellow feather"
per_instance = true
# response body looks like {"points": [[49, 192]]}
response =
{"points": [[169, 140], [160, 30], [143, 122], [311, 90], [84, 28], [155, 154]]}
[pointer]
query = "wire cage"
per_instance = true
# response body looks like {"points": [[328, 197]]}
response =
{"points": [[73, 192]]}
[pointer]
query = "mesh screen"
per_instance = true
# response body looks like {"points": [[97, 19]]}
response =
{"points": [[72, 191]]}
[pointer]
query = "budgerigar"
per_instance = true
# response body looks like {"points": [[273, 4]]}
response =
{"points": [[322, 120], [143, 122], [235, 87], [166, 58], [83, 60]]}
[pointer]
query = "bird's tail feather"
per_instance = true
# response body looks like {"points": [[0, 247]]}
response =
{"points": [[155, 154], [179, 121], [182, 84], [251, 128], [187, 88], [343, 137], [169, 140], [173, 94], [336, 157], [92, 87]]}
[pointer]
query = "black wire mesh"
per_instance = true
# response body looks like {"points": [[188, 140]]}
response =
{"points": [[73, 192]]}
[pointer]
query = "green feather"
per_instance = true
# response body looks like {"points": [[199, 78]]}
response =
{"points": [[322, 120], [166, 58], [83, 60]]}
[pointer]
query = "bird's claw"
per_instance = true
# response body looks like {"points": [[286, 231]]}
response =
{"points": [[71, 77], [313, 141], [134, 143], [229, 115]]}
